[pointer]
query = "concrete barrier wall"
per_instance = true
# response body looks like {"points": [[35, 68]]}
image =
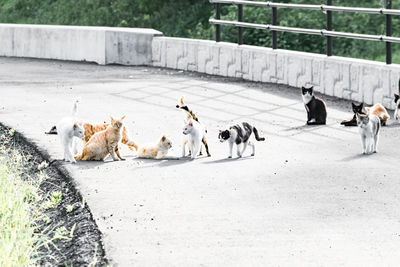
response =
{"points": [[103, 45], [359, 80]]}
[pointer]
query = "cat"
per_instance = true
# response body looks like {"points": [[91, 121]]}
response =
{"points": [[69, 128], [157, 151], [240, 134], [379, 111], [397, 108], [315, 107], [369, 127], [91, 129], [196, 134], [356, 109], [104, 142], [190, 115]]}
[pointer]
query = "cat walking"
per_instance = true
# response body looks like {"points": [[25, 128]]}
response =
{"points": [[68, 129], [369, 127], [240, 134], [157, 151], [103, 143], [315, 107]]}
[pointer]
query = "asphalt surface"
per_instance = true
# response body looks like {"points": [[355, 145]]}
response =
{"points": [[307, 198]]}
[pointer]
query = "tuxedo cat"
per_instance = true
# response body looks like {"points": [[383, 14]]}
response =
{"points": [[397, 108], [356, 109], [315, 107], [239, 134]]}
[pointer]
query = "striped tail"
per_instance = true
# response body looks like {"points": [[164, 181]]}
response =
{"points": [[258, 138]]}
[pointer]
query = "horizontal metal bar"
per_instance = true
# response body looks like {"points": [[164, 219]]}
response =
{"points": [[382, 11], [323, 32]]}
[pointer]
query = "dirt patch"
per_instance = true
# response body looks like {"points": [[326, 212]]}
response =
{"points": [[82, 248]]}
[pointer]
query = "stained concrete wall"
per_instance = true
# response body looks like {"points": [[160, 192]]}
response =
{"points": [[359, 80], [103, 45]]}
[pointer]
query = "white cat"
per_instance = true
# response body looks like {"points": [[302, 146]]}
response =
{"points": [[369, 126], [195, 132], [67, 129]]}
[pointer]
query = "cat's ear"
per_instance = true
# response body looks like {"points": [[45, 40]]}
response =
{"points": [[112, 119], [75, 125], [367, 109], [353, 105], [163, 138], [190, 123], [362, 105], [123, 117]]}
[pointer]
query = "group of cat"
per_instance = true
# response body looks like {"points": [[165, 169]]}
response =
{"points": [[101, 140], [368, 119]]}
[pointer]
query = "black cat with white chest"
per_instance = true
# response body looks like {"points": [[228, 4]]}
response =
{"points": [[239, 134], [315, 107]]}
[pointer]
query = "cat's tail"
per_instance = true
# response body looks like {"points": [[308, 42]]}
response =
{"points": [[258, 138], [75, 107], [53, 130]]}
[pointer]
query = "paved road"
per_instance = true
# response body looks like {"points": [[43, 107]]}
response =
{"points": [[308, 198]]}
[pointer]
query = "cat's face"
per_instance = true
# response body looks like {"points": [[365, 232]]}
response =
{"points": [[362, 120], [117, 123], [307, 94], [188, 128], [165, 142], [224, 135], [78, 129], [357, 108]]}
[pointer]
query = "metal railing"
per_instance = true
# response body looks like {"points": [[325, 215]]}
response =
{"points": [[328, 32]]}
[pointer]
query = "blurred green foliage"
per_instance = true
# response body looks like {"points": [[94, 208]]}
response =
{"points": [[189, 18]]}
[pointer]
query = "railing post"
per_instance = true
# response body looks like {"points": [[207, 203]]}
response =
{"points": [[388, 33], [217, 26], [274, 22], [240, 29], [329, 39]]}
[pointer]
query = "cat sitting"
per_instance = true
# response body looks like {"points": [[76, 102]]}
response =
{"points": [[379, 111], [240, 134], [104, 142], [196, 133], [315, 107], [157, 151], [369, 127], [188, 116], [397, 108], [356, 109], [69, 128]]}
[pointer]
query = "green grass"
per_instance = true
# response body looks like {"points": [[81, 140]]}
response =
{"points": [[20, 211]]}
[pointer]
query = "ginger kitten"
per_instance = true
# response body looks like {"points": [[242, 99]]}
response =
{"points": [[157, 151], [379, 111], [103, 143]]}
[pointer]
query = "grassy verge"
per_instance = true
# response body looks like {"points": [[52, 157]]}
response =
{"points": [[20, 210]]}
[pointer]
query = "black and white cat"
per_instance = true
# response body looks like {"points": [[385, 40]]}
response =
{"points": [[397, 108], [316, 108], [239, 134], [356, 109]]}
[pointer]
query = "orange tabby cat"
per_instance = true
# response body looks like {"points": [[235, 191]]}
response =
{"points": [[103, 143], [379, 111], [91, 129]]}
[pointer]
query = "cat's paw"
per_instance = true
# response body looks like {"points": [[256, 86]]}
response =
{"points": [[229, 157], [252, 154], [122, 159]]}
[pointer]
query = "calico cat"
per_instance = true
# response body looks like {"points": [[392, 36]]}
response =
{"points": [[379, 111], [104, 142], [69, 128], [397, 108], [158, 151], [315, 107], [239, 134], [356, 109], [196, 134], [190, 115], [369, 126]]}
